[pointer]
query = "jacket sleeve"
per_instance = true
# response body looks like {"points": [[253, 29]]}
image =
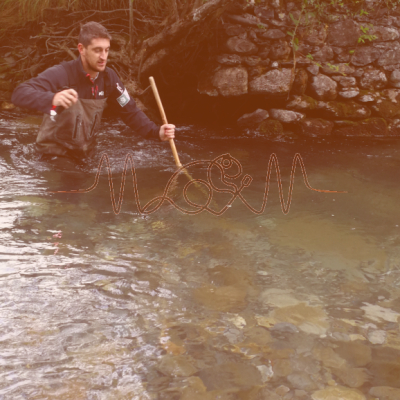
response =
{"points": [[38, 92], [125, 107]]}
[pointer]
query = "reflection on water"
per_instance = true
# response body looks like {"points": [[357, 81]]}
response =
{"points": [[172, 306]]}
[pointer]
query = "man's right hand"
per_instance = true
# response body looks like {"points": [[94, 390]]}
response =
{"points": [[66, 98]]}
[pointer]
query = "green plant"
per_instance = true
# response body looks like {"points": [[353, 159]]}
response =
{"points": [[365, 35]]}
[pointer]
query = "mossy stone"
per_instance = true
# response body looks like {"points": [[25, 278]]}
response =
{"points": [[271, 127], [387, 109], [368, 127]]}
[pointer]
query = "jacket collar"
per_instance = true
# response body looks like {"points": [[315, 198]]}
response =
{"points": [[82, 73]]}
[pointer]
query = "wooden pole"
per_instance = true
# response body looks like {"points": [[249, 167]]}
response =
{"points": [[164, 120]]}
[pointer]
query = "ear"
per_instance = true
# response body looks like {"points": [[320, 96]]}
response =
{"points": [[80, 48]]}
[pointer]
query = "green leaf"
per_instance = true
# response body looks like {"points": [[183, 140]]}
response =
{"points": [[293, 19], [290, 33], [351, 51]]}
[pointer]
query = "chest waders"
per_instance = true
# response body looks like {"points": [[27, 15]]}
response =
{"points": [[73, 133]]}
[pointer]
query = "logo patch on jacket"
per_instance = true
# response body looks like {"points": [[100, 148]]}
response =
{"points": [[123, 100]]}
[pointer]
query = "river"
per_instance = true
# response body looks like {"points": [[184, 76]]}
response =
{"points": [[197, 304]]}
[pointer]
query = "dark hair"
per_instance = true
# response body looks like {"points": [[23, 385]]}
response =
{"points": [[92, 30]]}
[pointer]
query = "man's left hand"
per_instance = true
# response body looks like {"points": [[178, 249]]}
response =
{"points": [[167, 132]]}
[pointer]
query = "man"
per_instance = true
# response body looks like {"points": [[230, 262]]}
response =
{"points": [[73, 95]]}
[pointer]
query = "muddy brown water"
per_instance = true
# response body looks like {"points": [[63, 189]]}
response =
{"points": [[168, 305]]}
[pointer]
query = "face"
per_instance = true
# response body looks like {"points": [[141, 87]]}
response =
{"points": [[94, 57]]}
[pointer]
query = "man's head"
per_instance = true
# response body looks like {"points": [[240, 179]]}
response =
{"points": [[94, 43]]}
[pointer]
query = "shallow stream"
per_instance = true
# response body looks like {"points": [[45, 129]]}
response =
{"points": [[193, 305]]}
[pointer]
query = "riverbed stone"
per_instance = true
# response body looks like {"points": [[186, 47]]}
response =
{"points": [[337, 393], [302, 103], [343, 33], [365, 55], [230, 81], [385, 393], [286, 116], [344, 110], [274, 82], [271, 127], [377, 337], [301, 380], [230, 375], [229, 59], [300, 82], [222, 298], [367, 127], [176, 365], [280, 50], [316, 127], [352, 377], [324, 54], [356, 353], [241, 46], [373, 80], [253, 119], [390, 56], [323, 87], [395, 79]]}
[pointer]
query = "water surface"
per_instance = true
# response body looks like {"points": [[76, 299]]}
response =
{"points": [[167, 305]]}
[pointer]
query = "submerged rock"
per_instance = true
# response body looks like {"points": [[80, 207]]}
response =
{"points": [[337, 393], [377, 337], [385, 393], [223, 298], [231, 375], [352, 377], [301, 380], [176, 366]]}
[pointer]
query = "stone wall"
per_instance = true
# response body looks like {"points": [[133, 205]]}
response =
{"points": [[339, 85]]}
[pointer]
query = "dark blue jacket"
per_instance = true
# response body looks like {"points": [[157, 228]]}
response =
{"points": [[38, 93]]}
